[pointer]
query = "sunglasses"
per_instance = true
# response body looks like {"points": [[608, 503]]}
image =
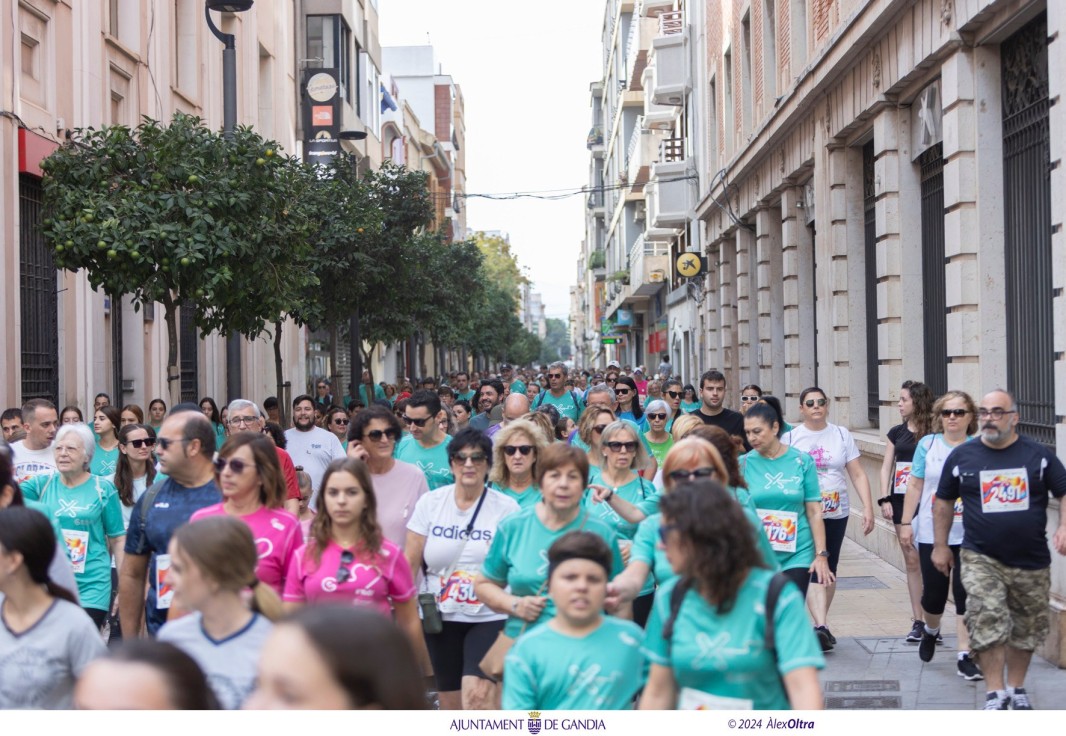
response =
{"points": [[376, 434], [342, 421], [664, 531], [598, 429], [672, 394], [681, 475], [622, 391], [619, 446], [512, 449], [815, 402], [417, 422], [165, 443], [954, 412], [656, 416], [475, 457], [343, 573], [611, 380], [140, 443], [750, 399], [237, 465], [555, 375]]}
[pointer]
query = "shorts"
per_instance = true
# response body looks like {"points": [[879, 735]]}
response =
{"points": [[458, 649], [935, 583], [896, 499], [1004, 605]]}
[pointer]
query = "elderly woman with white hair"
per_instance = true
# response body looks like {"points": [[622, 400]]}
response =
{"points": [[87, 511]]}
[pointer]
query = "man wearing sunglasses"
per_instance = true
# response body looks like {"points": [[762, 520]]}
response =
{"points": [[185, 448], [1004, 480], [569, 403], [244, 416], [309, 445], [426, 444], [712, 410]]}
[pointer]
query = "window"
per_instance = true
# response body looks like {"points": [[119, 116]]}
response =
{"points": [[934, 292], [869, 204], [730, 115], [712, 127], [33, 32], [186, 58], [797, 41], [265, 122], [329, 41], [769, 54], [746, 91]]}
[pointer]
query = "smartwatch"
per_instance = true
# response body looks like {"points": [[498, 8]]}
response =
{"points": [[823, 553]]}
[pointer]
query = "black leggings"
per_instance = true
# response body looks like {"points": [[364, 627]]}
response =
{"points": [[801, 577], [835, 530], [98, 615], [935, 583]]}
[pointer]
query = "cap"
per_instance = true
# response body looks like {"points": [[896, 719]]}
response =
{"points": [[505, 367], [613, 364]]}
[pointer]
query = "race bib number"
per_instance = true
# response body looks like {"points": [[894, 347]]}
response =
{"points": [[457, 593], [830, 502], [1004, 490], [781, 529], [691, 699], [899, 480], [164, 590], [78, 547], [958, 509]]}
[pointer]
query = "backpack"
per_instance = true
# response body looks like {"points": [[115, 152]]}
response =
{"points": [[540, 399]]}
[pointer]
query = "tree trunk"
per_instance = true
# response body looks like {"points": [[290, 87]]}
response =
{"points": [[173, 371], [368, 366], [279, 374], [334, 366]]}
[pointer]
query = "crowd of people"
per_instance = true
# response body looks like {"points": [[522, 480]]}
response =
{"points": [[559, 539]]}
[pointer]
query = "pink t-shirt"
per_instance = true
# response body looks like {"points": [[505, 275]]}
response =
{"points": [[397, 493], [371, 582], [277, 537]]}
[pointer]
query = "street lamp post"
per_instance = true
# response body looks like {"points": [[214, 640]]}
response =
{"points": [[229, 123]]}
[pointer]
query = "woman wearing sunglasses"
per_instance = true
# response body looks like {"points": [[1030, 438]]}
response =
{"points": [[448, 538], [690, 400], [212, 564], [658, 435], [836, 458], [347, 559], [336, 421], [136, 466], [253, 490], [625, 389], [748, 396], [593, 422], [954, 422], [707, 637], [514, 461]]}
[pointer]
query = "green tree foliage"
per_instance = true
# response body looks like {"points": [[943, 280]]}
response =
{"points": [[180, 215], [556, 343]]}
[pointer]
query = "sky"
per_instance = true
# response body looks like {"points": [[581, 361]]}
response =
{"points": [[525, 70]]}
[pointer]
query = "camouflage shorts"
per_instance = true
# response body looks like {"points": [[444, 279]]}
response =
{"points": [[1004, 605]]}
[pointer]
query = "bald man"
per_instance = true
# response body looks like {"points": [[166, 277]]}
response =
{"points": [[515, 407]]}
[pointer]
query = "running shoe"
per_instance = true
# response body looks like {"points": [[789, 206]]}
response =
{"points": [[927, 646], [915, 635], [967, 669], [825, 639], [994, 702], [1019, 700]]}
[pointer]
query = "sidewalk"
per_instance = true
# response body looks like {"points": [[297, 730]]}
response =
{"points": [[872, 667]]}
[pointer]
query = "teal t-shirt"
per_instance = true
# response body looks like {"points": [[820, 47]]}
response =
{"points": [[784, 486], [104, 462], [580, 443], [433, 462], [723, 654], [220, 436], [646, 549], [518, 557], [639, 492], [569, 404], [659, 449], [468, 395], [689, 407], [525, 499], [518, 387], [547, 670], [88, 515]]}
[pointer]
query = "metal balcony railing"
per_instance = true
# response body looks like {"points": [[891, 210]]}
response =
{"points": [[634, 143], [672, 150], [671, 23]]}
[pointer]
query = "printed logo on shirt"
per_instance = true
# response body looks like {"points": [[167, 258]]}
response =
{"points": [[277, 525], [358, 578], [458, 532], [958, 509], [263, 547], [593, 681], [822, 458], [1004, 490]]}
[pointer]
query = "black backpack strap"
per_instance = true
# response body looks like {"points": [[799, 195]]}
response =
{"points": [[147, 500], [677, 597], [773, 592], [537, 401]]}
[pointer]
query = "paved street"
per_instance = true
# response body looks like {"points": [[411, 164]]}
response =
{"points": [[873, 667]]}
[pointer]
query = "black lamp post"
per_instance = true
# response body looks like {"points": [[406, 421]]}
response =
{"points": [[229, 123]]}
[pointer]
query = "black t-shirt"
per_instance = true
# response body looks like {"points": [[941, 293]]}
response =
{"points": [[903, 441], [729, 420], [1004, 498]]}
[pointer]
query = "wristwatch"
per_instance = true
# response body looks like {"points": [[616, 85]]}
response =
{"points": [[823, 553]]}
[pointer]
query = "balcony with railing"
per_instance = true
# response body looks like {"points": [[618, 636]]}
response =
{"points": [[641, 33], [595, 202], [656, 116], [669, 57], [649, 264], [642, 152], [670, 194]]}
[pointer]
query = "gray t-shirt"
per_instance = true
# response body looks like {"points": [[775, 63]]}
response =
{"points": [[230, 665], [39, 666], [314, 450]]}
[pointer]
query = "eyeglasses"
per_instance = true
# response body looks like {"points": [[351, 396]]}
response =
{"points": [[598, 429], [512, 449], [140, 443], [753, 399], [815, 402], [240, 421], [555, 375], [475, 457], [672, 394], [656, 416], [611, 380], [342, 421], [622, 391], [235, 464], [343, 573], [680, 475], [417, 422], [996, 413], [664, 531], [165, 443], [377, 434], [954, 412], [620, 446]]}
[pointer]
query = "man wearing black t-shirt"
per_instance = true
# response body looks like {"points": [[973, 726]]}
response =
{"points": [[711, 411], [1003, 480]]}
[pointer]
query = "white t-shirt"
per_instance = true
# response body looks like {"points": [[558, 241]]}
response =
{"points": [[932, 452], [39, 666], [314, 449], [452, 566], [230, 665], [139, 487], [832, 449], [29, 463]]}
